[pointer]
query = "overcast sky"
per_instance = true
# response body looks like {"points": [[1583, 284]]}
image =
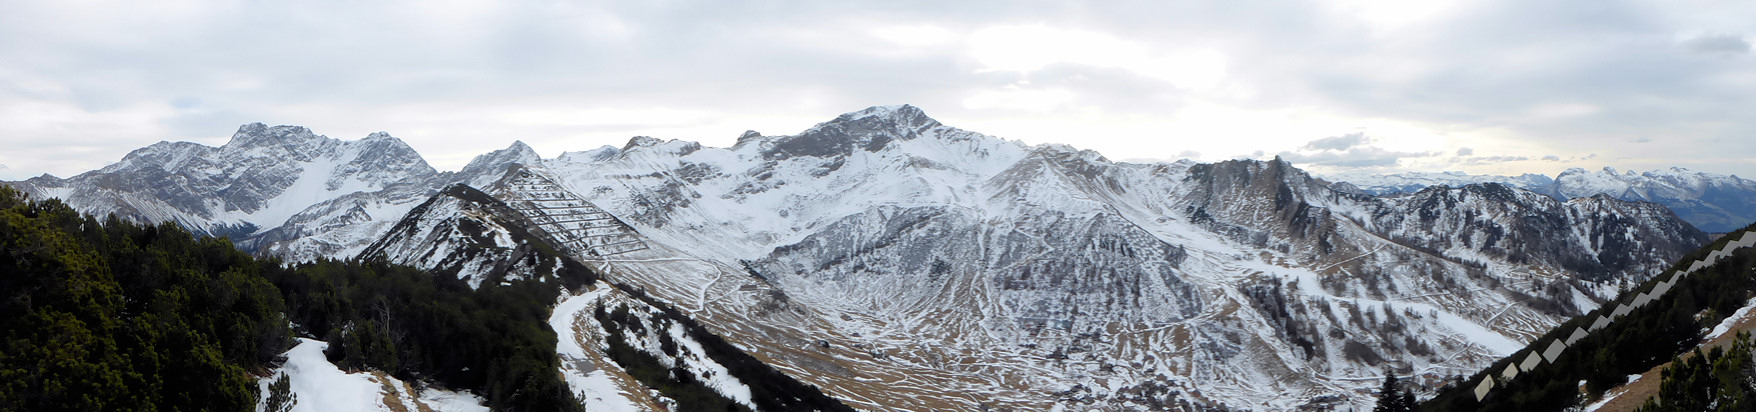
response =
{"points": [[1500, 87]]}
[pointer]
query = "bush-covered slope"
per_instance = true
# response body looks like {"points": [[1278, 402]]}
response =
{"points": [[113, 315], [1645, 337], [118, 316], [494, 340]]}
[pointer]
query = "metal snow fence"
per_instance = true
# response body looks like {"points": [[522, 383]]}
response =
{"points": [[1482, 389], [1577, 335], [1530, 362], [1621, 310], [1554, 351], [1556, 348]]}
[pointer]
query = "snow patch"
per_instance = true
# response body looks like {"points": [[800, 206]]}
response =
{"points": [[319, 386], [1743, 314]]}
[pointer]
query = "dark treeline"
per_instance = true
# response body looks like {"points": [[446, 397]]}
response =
{"points": [[112, 315], [418, 327], [1646, 337]]}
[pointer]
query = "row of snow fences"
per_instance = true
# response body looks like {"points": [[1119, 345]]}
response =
{"points": [[1554, 349], [576, 224]]}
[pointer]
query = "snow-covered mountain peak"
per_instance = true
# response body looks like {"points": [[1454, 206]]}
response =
{"points": [[747, 136], [649, 144], [255, 135], [898, 111], [518, 152], [1060, 158], [487, 167], [641, 141], [1244, 170], [599, 154], [281, 189], [870, 130]]}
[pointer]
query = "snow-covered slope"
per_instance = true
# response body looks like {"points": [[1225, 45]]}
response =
{"points": [[281, 189], [464, 233], [1713, 202], [524, 228], [936, 266]]}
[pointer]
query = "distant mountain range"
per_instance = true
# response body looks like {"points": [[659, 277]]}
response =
{"points": [[892, 260], [280, 191], [1713, 202]]}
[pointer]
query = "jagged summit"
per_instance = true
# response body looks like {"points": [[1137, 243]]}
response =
{"points": [[641, 141], [261, 135], [871, 130], [487, 167]]}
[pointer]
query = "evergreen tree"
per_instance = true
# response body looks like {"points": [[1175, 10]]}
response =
{"points": [[1391, 398], [280, 395], [122, 316], [1406, 402]]}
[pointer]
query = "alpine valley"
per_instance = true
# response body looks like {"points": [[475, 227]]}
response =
{"points": [[896, 263]]}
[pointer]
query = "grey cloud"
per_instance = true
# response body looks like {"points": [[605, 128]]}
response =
{"points": [[1551, 158], [1342, 142], [1465, 151], [1479, 65], [1718, 43], [1641, 140], [1358, 157], [1352, 150], [1488, 160], [1189, 154]]}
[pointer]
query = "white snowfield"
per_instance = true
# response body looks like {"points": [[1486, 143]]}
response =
{"points": [[319, 386]]}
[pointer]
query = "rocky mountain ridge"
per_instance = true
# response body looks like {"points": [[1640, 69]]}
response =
{"points": [[1064, 278], [279, 191], [1713, 202], [893, 260]]}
